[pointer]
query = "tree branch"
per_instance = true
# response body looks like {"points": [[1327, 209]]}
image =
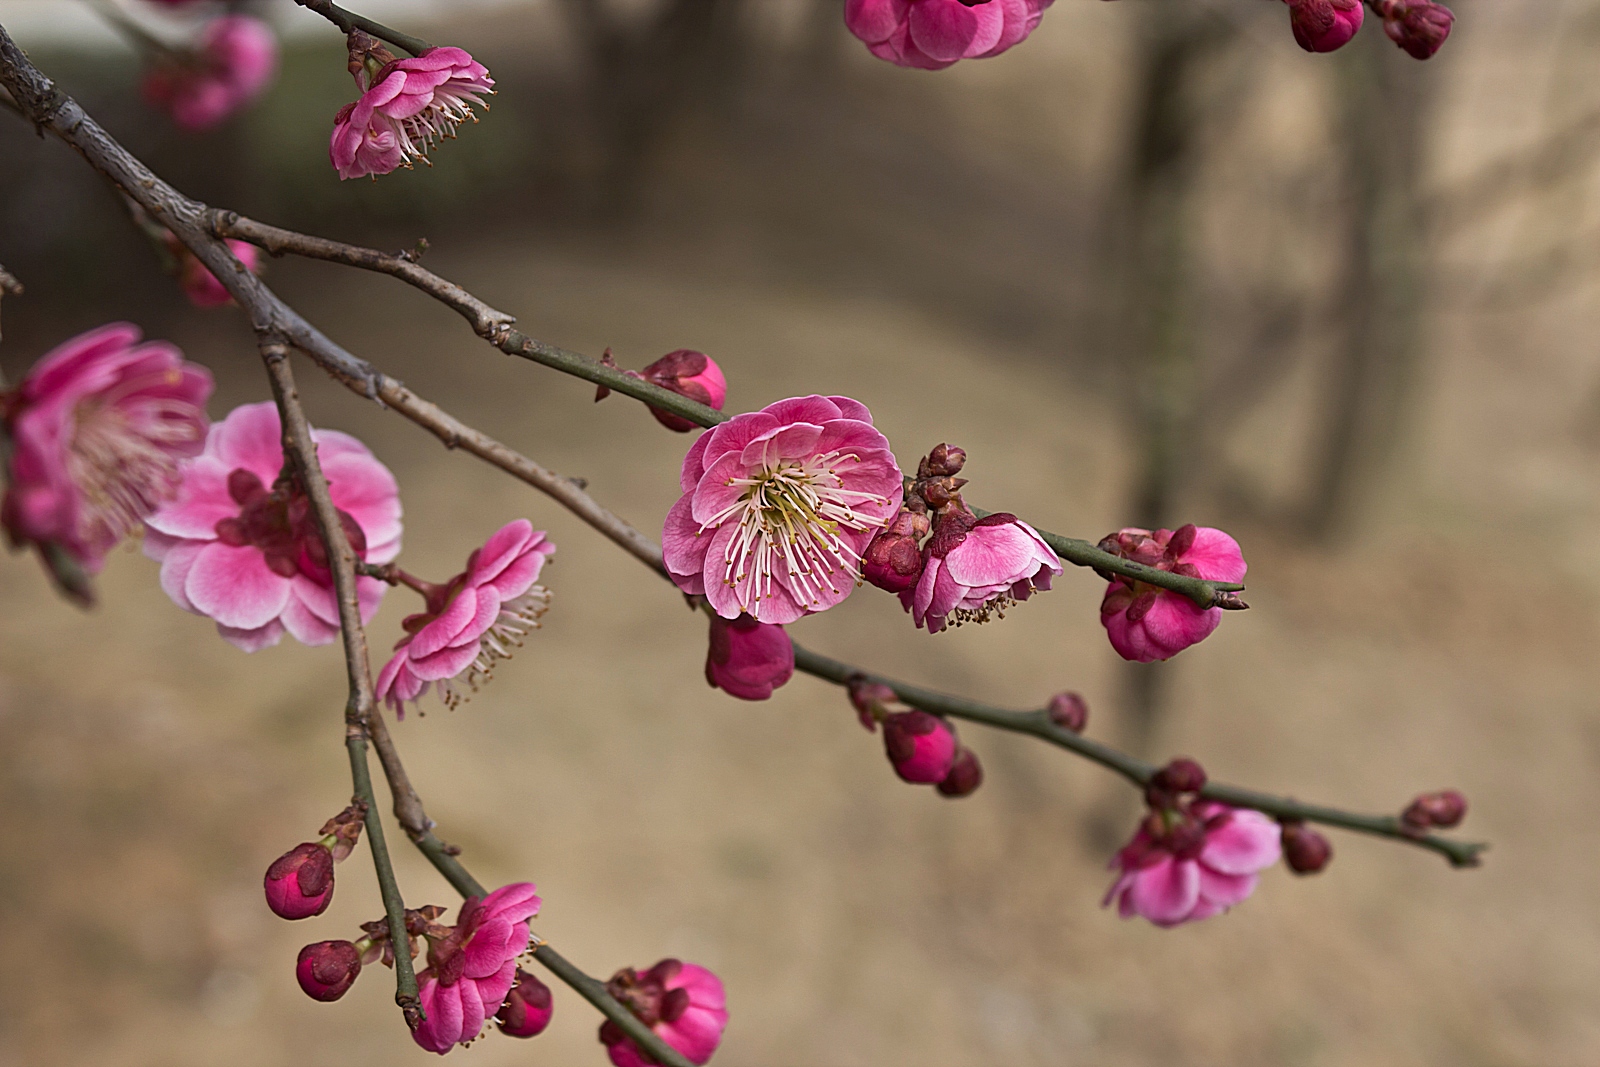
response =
{"points": [[349, 20]]}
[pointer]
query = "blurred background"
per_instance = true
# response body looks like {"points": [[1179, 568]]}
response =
{"points": [[1154, 265]]}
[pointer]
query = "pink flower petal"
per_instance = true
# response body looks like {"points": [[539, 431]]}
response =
{"points": [[943, 28], [518, 901], [1224, 890], [814, 409], [451, 624], [1216, 555], [234, 586], [1248, 843], [694, 462], [303, 624], [252, 640], [250, 438], [489, 948], [202, 500], [1167, 892], [175, 572], [684, 547]]}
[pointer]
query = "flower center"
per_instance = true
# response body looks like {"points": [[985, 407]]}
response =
{"points": [[122, 458], [279, 523]]}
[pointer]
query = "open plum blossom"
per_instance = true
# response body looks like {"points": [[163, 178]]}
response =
{"points": [[748, 659], [1190, 865], [682, 1002], [406, 106], [778, 506], [100, 428], [234, 64], [1146, 622], [471, 621], [974, 567], [932, 34], [239, 543], [471, 969]]}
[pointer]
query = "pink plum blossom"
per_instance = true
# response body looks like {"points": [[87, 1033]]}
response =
{"points": [[236, 61], [471, 970], [777, 507], [406, 106], [932, 34], [249, 556], [527, 1009], [1187, 864], [975, 567], [748, 659], [99, 431], [682, 1002], [299, 884], [199, 284], [1146, 622], [1324, 25], [471, 621], [921, 747], [327, 969]]}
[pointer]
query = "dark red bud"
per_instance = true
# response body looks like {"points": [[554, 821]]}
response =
{"points": [[1182, 775], [1304, 849], [326, 969], [1443, 810], [946, 460], [1069, 711], [299, 884], [527, 1009], [1420, 27], [966, 775]]}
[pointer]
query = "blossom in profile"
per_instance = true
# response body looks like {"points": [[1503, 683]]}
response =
{"points": [[682, 1002], [932, 34], [199, 284], [472, 968], [1324, 25], [239, 543], [1191, 862], [778, 506], [748, 659], [100, 429], [974, 569], [407, 106], [234, 63], [472, 621], [1146, 622]]}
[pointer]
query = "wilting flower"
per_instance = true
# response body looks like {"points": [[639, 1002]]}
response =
{"points": [[932, 34], [1324, 25], [1192, 862], [1418, 26], [198, 283], [748, 659], [479, 616], [406, 107], [682, 1002], [234, 64], [777, 507], [299, 884], [973, 568], [249, 556], [327, 969], [471, 970], [99, 429], [527, 1009], [1146, 622]]}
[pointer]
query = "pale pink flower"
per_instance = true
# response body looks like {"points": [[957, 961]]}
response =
{"points": [[1146, 622], [1324, 25], [777, 507], [682, 1002], [748, 659], [471, 971], [975, 568], [197, 281], [99, 431], [1187, 865], [932, 34], [406, 107], [234, 64], [240, 545], [471, 621]]}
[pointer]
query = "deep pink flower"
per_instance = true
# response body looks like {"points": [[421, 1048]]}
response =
{"points": [[893, 560], [691, 374], [1146, 622], [249, 556], [932, 34], [527, 1009], [748, 659], [99, 428], [921, 747], [1418, 26], [682, 1002], [327, 969], [236, 61], [975, 567], [471, 621], [1184, 865], [406, 107], [299, 884], [471, 971], [199, 284], [1324, 25], [777, 507]]}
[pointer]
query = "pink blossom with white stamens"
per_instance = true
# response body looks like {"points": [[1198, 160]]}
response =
{"points": [[778, 506], [472, 969], [406, 107]]}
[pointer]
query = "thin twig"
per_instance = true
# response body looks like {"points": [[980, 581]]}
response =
{"points": [[9, 286], [349, 20]]}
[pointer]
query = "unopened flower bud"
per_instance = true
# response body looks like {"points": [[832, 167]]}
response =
{"points": [[893, 559], [921, 746], [527, 1009], [1069, 711], [1324, 25], [1182, 775], [966, 775], [1418, 26], [1304, 849], [691, 374], [870, 699], [1443, 810], [326, 969], [299, 884], [946, 460]]}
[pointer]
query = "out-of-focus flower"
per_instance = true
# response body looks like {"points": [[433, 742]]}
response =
{"points": [[406, 107], [691, 374], [682, 1002], [250, 557], [1146, 622], [471, 971], [1443, 810], [234, 63], [1418, 26], [932, 34], [966, 775], [1069, 711], [527, 1009], [99, 431], [777, 507], [1324, 25], [327, 969], [975, 568], [893, 559], [1304, 850], [748, 659], [475, 619], [198, 283], [299, 884], [921, 747]]}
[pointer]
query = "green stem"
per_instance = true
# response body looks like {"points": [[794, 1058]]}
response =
{"points": [[394, 907]]}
